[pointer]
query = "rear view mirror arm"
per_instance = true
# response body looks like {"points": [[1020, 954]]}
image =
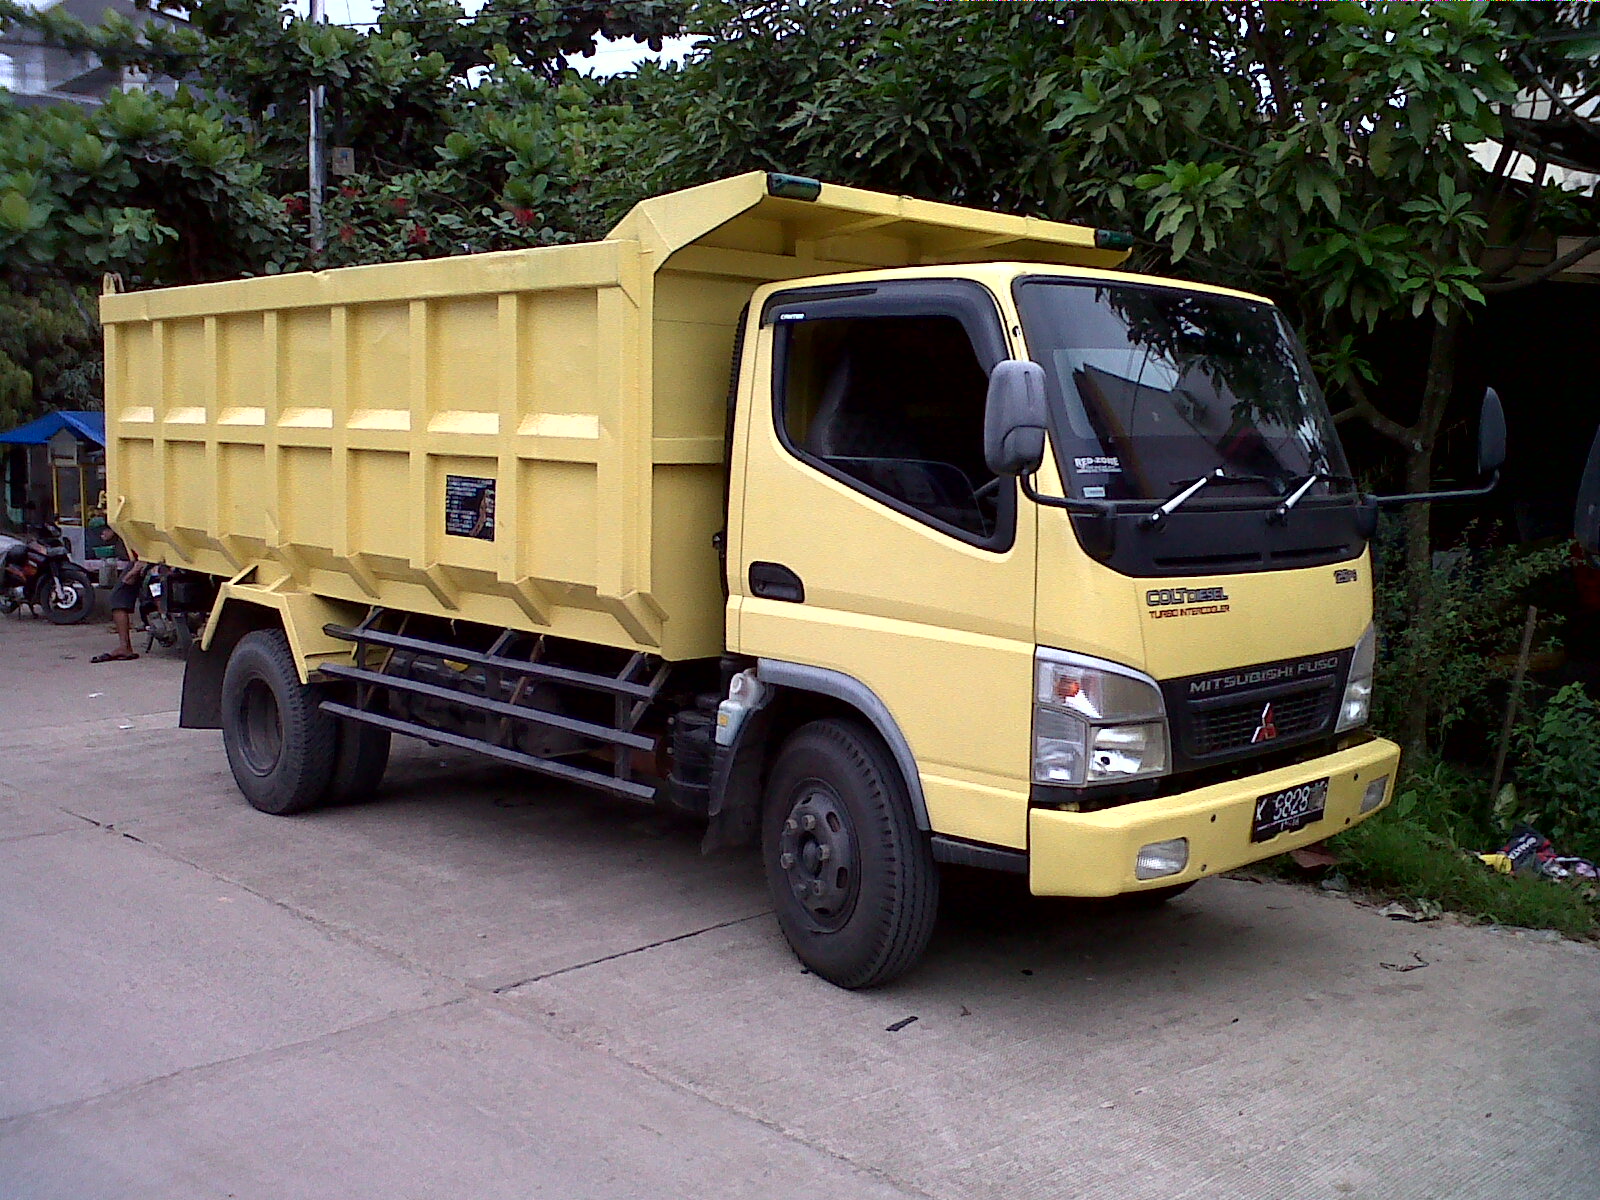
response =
{"points": [[1427, 497], [1096, 508]]}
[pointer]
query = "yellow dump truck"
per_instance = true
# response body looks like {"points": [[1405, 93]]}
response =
{"points": [[982, 552]]}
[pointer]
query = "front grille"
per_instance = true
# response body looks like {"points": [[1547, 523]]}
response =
{"points": [[1233, 726], [1215, 715]]}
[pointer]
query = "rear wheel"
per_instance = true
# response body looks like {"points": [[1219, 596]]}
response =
{"points": [[184, 633], [359, 761], [69, 597], [852, 878], [281, 745]]}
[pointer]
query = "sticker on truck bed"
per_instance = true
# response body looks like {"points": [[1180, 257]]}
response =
{"points": [[469, 507]]}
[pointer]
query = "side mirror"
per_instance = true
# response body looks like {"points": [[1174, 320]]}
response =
{"points": [[1491, 457], [1588, 516], [1014, 418], [1491, 434]]}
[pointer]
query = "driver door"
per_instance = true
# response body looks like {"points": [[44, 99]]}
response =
{"points": [[871, 540]]}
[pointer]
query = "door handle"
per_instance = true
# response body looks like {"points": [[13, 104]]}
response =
{"points": [[774, 581]]}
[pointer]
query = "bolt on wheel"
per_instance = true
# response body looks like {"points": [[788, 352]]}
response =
{"points": [[818, 856]]}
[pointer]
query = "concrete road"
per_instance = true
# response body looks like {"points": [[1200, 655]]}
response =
{"points": [[483, 986]]}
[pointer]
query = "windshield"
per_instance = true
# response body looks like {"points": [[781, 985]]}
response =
{"points": [[1153, 387]]}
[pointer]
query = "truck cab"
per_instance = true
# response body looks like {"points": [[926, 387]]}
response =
{"points": [[1144, 659]]}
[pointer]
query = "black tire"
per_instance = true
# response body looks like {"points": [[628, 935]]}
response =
{"points": [[183, 633], [77, 601], [360, 756], [852, 878], [280, 744]]}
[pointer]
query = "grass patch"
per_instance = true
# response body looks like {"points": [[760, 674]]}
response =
{"points": [[1398, 855]]}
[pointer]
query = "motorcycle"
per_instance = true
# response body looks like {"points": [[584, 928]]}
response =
{"points": [[35, 570], [173, 605]]}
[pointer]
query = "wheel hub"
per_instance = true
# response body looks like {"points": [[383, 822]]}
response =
{"points": [[262, 728], [817, 854]]}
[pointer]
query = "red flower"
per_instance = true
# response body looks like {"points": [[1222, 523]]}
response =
{"points": [[399, 204], [295, 205], [524, 216], [347, 233], [418, 236], [348, 192]]}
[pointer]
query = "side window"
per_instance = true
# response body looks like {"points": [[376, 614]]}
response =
{"points": [[894, 405]]}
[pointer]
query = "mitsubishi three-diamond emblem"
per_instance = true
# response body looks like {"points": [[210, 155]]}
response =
{"points": [[1268, 729]]}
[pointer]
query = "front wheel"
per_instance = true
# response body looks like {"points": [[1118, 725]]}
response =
{"points": [[69, 597], [281, 745], [852, 878]]}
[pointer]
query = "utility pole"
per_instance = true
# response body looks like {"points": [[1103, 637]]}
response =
{"points": [[318, 155]]}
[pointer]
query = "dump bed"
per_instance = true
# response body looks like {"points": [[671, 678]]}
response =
{"points": [[531, 439]]}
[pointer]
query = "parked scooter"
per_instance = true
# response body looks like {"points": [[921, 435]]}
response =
{"points": [[36, 571], [173, 604]]}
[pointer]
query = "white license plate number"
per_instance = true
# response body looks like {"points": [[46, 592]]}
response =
{"points": [[1291, 809]]}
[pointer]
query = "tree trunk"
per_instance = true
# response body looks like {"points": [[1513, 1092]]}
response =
{"points": [[1436, 391]]}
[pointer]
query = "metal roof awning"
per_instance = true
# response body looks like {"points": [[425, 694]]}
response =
{"points": [[90, 426]]}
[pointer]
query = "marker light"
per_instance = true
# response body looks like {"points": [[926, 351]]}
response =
{"points": [[793, 187]]}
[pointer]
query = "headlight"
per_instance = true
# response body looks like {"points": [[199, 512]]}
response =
{"points": [[1095, 721], [1357, 702]]}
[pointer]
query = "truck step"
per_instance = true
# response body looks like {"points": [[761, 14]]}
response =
{"points": [[545, 766], [512, 666], [399, 681], [518, 712]]}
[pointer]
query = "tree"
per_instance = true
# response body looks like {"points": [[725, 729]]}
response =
{"points": [[1327, 155], [49, 350], [471, 133]]}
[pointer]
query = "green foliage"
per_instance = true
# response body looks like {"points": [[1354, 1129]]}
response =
{"points": [[1446, 806], [1424, 846], [86, 191], [1323, 156], [1448, 640], [888, 96], [518, 169], [469, 133], [49, 349], [1395, 854], [1558, 771]]}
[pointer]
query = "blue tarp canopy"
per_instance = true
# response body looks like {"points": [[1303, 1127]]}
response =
{"points": [[91, 426]]}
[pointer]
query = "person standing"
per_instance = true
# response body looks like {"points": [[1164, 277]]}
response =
{"points": [[124, 598]]}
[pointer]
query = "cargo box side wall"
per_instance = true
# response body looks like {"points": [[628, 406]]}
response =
{"points": [[315, 432]]}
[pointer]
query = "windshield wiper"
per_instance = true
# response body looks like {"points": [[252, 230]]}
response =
{"points": [[1177, 499], [1281, 513]]}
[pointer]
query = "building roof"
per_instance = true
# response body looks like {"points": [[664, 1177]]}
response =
{"points": [[88, 426]]}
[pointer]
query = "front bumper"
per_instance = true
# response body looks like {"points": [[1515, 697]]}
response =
{"points": [[1092, 854]]}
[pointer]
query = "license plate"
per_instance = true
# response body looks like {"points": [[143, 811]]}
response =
{"points": [[1288, 810]]}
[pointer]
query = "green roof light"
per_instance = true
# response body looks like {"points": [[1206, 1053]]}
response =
{"points": [[1113, 239]]}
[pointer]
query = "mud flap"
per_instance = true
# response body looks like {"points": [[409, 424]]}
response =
{"points": [[736, 787]]}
